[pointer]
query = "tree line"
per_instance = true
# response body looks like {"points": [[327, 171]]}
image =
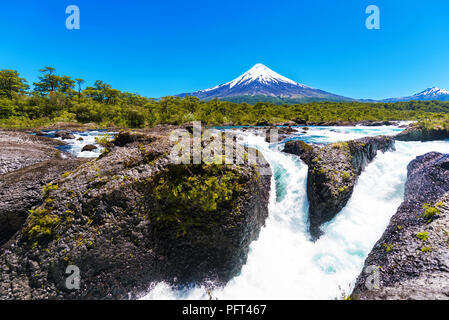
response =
{"points": [[60, 98]]}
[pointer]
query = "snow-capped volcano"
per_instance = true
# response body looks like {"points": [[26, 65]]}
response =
{"points": [[433, 93], [261, 82], [262, 74]]}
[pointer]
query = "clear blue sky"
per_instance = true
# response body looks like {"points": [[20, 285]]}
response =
{"points": [[158, 48]]}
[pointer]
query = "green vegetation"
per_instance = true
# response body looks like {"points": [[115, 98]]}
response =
{"points": [[41, 224], [435, 124], [104, 140], [66, 174], [305, 146], [341, 145], [426, 249], [47, 188], [185, 194], [59, 98], [430, 212], [423, 236], [388, 247], [346, 175]]}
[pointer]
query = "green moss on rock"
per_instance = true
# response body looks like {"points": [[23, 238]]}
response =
{"points": [[42, 223], [182, 194]]}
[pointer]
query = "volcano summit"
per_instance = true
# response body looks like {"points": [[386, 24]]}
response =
{"points": [[260, 83]]}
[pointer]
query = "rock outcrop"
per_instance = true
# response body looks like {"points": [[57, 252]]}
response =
{"points": [[333, 172], [368, 123], [21, 190], [412, 255], [131, 218], [424, 131], [28, 163], [19, 150]]}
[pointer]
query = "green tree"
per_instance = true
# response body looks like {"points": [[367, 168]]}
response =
{"points": [[11, 83], [102, 92], [48, 81], [79, 82], [66, 85]]}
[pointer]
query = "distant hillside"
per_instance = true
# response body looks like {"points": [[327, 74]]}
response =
{"points": [[429, 94]]}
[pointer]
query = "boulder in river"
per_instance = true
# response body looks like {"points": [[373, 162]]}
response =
{"points": [[333, 172], [64, 135], [89, 147]]}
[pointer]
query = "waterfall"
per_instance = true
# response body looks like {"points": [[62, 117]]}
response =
{"points": [[283, 263]]}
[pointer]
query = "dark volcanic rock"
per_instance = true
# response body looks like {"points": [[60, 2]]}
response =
{"points": [[285, 130], [131, 218], [89, 147], [305, 151], [376, 123], [21, 190], [126, 137], [262, 123], [412, 255], [64, 135], [421, 132], [300, 121], [333, 172]]}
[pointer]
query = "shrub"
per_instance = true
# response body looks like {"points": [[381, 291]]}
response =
{"points": [[388, 247], [47, 188], [41, 224], [426, 249], [423, 236], [430, 212]]}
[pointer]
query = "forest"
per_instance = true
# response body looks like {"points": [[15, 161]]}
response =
{"points": [[58, 98]]}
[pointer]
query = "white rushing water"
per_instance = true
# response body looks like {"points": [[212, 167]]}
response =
{"points": [[76, 145], [283, 263]]}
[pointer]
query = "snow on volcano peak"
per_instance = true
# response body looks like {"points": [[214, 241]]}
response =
{"points": [[434, 91], [262, 74]]}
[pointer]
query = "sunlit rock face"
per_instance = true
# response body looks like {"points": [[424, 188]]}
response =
{"points": [[333, 173], [412, 257]]}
